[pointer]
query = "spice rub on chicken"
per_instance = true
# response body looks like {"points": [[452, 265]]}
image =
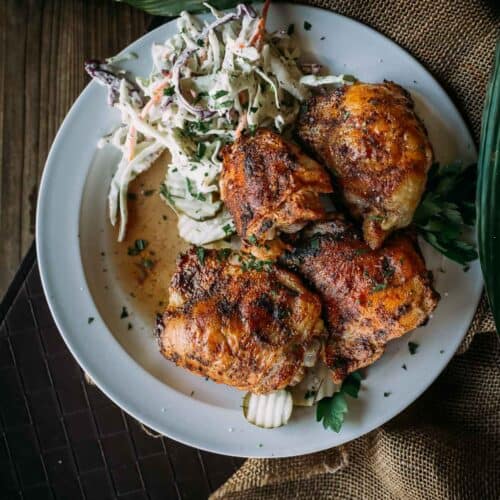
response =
{"points": [[369, 296], [239, 321], [377, 148], [269, 185]]}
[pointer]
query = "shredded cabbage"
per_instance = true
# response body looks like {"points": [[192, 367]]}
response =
{"points": [[209, 83]]}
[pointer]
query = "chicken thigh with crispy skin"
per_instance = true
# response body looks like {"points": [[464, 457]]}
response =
{"points": [[369, 296], [378, 149], [239, 321], [269, 185]]}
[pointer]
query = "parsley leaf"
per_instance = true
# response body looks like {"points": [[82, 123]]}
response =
{"points": [[220, 93], [331, 411], [200, 151], [307, 25], [200, 253], [139, 246], [412, 347], [192, 191], [165, 193], [228, 229], [290, 30], [169, 91], [447, 207], [252, 239]]}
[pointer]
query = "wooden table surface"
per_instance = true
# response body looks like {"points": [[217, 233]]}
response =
{"points": [[43, 44]]}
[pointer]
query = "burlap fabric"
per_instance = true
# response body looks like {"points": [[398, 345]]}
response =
{"points": [[447, 444]]}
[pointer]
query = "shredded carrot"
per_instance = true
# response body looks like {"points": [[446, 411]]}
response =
{"points": [[131, 140], [261, 26]]}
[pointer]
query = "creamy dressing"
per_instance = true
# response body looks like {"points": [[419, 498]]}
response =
{"points": [[146, 276]]}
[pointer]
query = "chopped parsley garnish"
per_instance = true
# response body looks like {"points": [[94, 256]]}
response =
{"points": [[307, 25], [190, 128], [314, 243], [404, 367], [129, 326], [323, 38], [166, 194], [441, 351], [200, 253], [200, 151], [252, 129], [378, 287], [225, 104], [254, 109], [412, 347], [192, 191], [332, 410], [253, 264], [252, 239], [200, 42], [228, 229], [223, 254], [139, 246], [169, 91], [124, 313], [387, 394], [220, 93], [291, 29], [90, 320]]}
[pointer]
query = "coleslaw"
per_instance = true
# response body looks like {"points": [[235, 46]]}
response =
{"points": [[210, 82]]}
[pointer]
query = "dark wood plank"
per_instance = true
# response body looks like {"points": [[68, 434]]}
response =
{"points": [[42, 47]]}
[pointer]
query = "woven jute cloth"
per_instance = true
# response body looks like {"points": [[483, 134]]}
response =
{"points": [[447, 444]]}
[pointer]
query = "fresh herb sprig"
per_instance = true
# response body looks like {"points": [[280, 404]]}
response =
{"points": [[332, 410], [447, 208]]}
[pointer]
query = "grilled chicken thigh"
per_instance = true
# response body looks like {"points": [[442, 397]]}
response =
{"points": [[242, 322], [269, 185], [369, 296], [378, 149]]}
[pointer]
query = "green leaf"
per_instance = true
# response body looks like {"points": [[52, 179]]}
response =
{"points": [[488, 190], [352, 384], [412, 347], [200, 253], [446, 209], [175, 7], [331, 411]]}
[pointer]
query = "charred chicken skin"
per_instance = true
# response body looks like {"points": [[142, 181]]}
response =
{"points": [[243, 323], [377, 148], [269, 185], [369, 296]]}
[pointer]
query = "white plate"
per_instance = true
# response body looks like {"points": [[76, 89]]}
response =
{"points": [[72, 230]]}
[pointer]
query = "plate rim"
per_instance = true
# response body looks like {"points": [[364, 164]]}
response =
{"points": [[116, 398]]}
